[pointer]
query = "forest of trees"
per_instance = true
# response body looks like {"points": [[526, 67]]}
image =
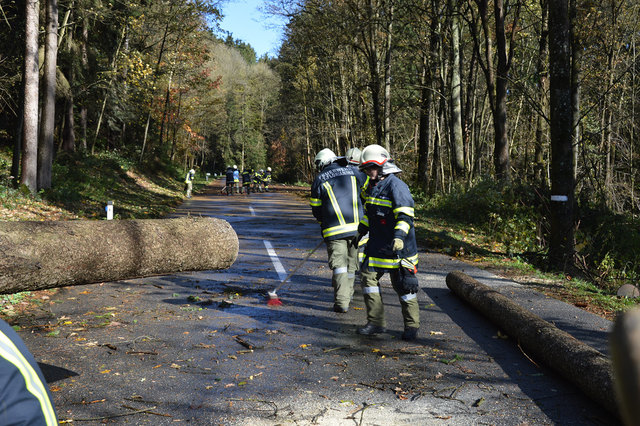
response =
{"points": [[153, 81], [539, 92]]}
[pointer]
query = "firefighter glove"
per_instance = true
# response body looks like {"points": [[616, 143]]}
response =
{"points": [[398, 244], [408, 278]]}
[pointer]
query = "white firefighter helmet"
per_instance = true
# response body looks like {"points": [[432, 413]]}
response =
{"points": [[353, 155], [324, 158], [193, 172], [374, 155], [235, 167], [268, 169]]}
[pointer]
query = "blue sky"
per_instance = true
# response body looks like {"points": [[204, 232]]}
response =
{"points": [[243, 19]]}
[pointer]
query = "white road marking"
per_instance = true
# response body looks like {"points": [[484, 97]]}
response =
{"points": [[253, 213], [282, 274]]}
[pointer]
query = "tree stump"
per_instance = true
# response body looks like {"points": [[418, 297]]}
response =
{"points": [[41, 255], [579, 363]]}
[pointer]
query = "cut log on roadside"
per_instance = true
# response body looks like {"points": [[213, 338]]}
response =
{"points": [[625, 356], [579, 363], [41, 255]]}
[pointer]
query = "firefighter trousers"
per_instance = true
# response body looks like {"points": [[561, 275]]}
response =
{"points": [[370, 281], [343, 261]]}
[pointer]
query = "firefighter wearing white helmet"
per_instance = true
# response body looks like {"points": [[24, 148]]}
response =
{"points": [[353, 156], [236, 179], [188, 182], [389, 214], [336, 204], [266, 178]]}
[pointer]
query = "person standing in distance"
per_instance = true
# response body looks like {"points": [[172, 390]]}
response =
{"points": [[236, 179], [229, 180], [267, 179], [246, 179], [392, 248], [188, 180], [335, 203]]}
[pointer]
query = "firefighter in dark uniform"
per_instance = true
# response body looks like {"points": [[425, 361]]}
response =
{"points": [[266, 178], [229, 180], [24, 394], [392, 248], [257, 181], [336, 204], [247, 177]]}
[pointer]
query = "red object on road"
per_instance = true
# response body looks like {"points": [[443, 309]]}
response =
{"points": [[273, 299]]}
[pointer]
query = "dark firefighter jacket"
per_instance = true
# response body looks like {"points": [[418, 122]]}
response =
{"points": [[389, 214], [24, 395], [335, 201], [229, 175], [246, 176]]}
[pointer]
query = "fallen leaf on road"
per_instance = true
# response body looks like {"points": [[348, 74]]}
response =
{"points": [[436, 333]]}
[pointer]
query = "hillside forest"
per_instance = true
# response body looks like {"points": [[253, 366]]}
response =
{"points": [[513, 116]]}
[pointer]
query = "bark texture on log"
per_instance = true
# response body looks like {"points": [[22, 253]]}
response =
{"points": [[41, 255], [579, 363], [625, 356]]}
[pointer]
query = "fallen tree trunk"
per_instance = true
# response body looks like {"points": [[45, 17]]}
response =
{"points": [[625, 355], [579, 363], [41, 255]]}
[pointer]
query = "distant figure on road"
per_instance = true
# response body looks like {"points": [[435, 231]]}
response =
{"points": [[247, 177], [229, 180], [266, 178], [188, 180], [236, 179], [257, 181], [336, 204], [24, 394], [389, 213]]}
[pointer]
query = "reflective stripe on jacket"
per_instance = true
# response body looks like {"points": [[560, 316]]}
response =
{"points": [[389, 214], [335, 201], [24, 395]]}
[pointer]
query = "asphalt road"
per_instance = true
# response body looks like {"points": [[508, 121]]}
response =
{"points": [[205, 348]]}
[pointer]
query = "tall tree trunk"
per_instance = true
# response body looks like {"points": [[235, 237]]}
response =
{"points": [[29, 175], [456, 94], [84, 58], [68, 130], [107, 92], [47, 120], [576, 77], [68, 134], [501, 148], [561, 238], [387, 82], [426, 106], [155, 77], [424, 125], [543, 87]]}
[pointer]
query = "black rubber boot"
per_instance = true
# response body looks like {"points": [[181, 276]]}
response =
{"points": [[371, 329]]}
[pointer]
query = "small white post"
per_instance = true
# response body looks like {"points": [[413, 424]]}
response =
{"points": [[109, 210]]}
